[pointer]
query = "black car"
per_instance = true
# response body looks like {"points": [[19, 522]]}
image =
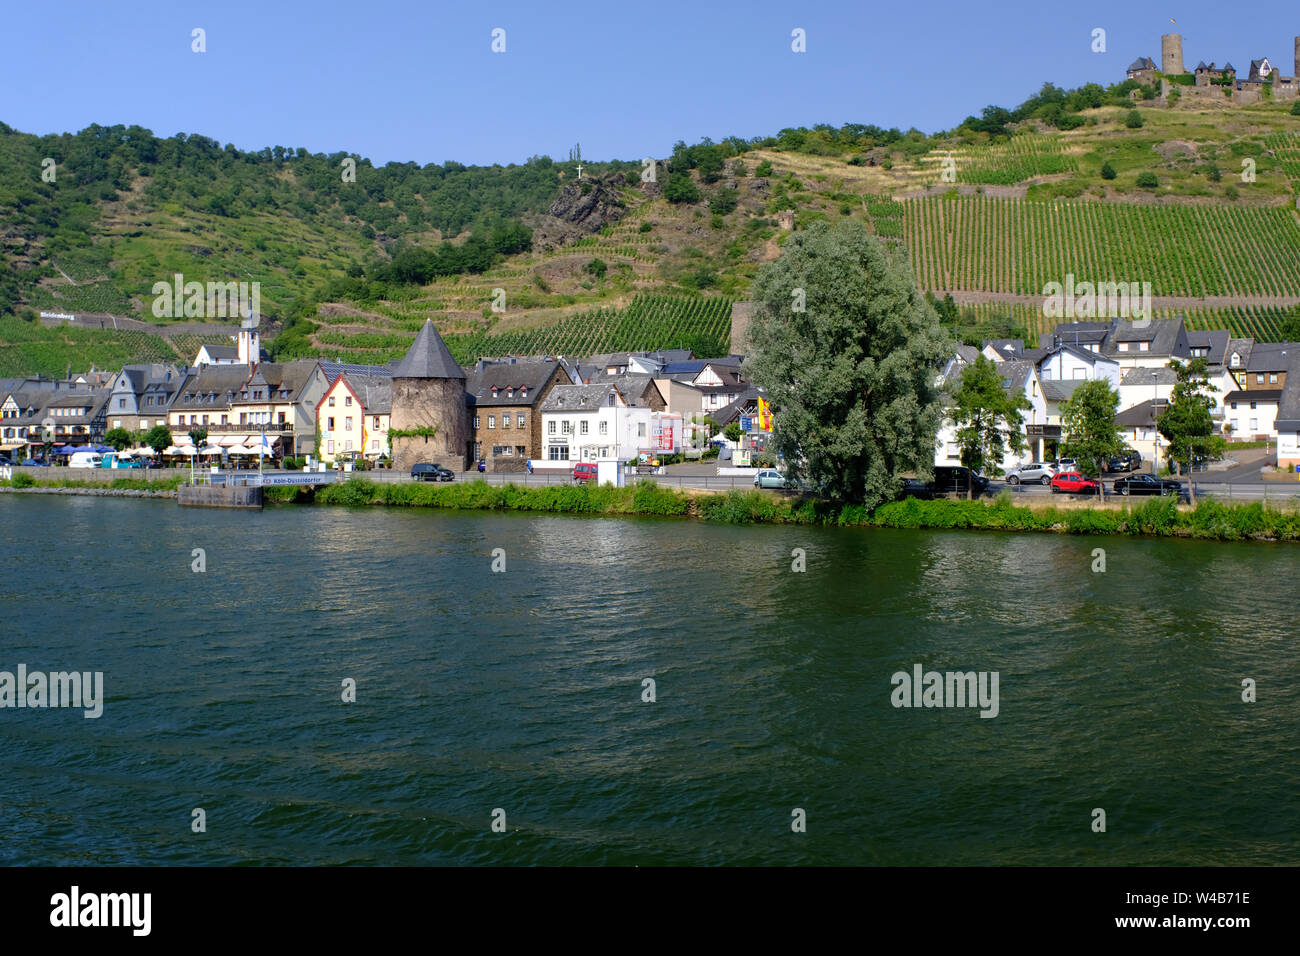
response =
{"points": [[957, 480], [1148, 485], [430, 472]]}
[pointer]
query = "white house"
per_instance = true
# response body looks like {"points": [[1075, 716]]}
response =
{"points": [[1064, 363], [1017, 376], [591, 423]]}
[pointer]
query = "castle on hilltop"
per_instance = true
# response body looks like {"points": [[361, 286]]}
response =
{"points": [[1214, 82]]}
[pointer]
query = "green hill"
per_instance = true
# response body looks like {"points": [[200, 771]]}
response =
{"points": [[989, 212]]}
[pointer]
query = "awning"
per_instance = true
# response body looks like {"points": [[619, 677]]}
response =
{"points": [[13, 447], [212, 450]]}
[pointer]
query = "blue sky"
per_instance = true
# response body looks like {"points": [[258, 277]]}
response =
{"points": [[402, 80]]}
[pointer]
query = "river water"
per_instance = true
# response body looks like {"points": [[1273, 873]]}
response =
{"points": [[521, 691]]}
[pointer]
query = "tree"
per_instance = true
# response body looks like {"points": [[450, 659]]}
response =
{"points": [[1147, 180], [763, 170], [159, 438], [848, 351], [1107, 171], [597, 267], [1186, 423], [733, 433], [119, 438], [681, 188], [1213, 173], [198, 436], [987, 418], [1088, 421], [1134, 120], [1295, 108]]}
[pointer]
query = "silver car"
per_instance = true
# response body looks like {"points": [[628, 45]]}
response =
{"points": [[769, 478], [1038, 471]]}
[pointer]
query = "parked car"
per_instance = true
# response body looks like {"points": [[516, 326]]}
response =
{"points": [[584, 472], [1148, 485], [957, 479], [1036, 471], [1127, 460], [115, 460], [1067, 464], [426, 471], [5, 460], [770, 478], [1072, 482], [35, 462], [85, 459]]}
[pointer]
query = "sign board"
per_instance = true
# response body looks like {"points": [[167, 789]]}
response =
{"points": [[746, 423], [268, 481], [740, 458]]}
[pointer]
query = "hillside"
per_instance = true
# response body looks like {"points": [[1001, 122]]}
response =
{"points": [[351, 269]]}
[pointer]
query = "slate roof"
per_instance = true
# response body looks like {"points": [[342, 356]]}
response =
{"points": [[333, 370], [1142, 63], [1075, 333], [1141, 415], [580, 398], [211, 386], [375, 392], [1061, 390], [1010, 348], [1254, 395], [729, 413], [1216, 340], [1163, 334], [532, 374], [1271, 356], [428, 357], [222, 352], [1242, 347], [1149, 377], [968, 353], [1229, 68], [633, 385], [1288, 408]]}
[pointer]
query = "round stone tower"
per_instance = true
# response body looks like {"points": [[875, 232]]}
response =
{"points": [[1171, 53], [429, 398], [1297, 59]]}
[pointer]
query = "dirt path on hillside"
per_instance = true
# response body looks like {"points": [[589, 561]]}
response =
{"points": [[962, 297]]}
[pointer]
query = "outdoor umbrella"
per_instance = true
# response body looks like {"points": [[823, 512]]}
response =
{"points": [[212, 450]]}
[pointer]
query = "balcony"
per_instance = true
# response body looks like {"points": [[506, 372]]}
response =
{"points": [[272, 428]]}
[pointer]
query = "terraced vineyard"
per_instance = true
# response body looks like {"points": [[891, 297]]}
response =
{"points": [[993, 245], [1260, 323], [28, 348], [1024, 157], [1286, 147]]}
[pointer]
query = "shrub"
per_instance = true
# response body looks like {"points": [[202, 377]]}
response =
{"points": [[1107, 171], [1147, 180], [22, 480], [1134, 120], [763, 169], [1212, 173], [645, 227], [1295, 108]]}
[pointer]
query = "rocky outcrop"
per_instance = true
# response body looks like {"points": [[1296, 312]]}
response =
{"points": [[584, 206]]}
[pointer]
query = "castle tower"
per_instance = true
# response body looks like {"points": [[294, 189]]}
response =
{"points": [[429, 394], [1171, 53], [1296, 74]]}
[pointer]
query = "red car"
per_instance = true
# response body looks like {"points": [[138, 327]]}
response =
{"points": [[584, 473], [1075, 484]]}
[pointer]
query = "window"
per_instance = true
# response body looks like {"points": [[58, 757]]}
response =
{"points": [[1144, 346], [121, 403], [604, 428], [492, 421], [330, 445], [329, 424], [611, 399], [117, 423], [1234, 406], [476, 425], [225, 419], [523, 392], [1123, 346], [550, 427], [1235, 361], [1254, 424], [520, 450], [567, 428], [582, 428], [1236, 424], [1259, 379], [1254, 405], [510, 393], [519, 420], [347, 424], [558, 453], [347, 400], [331, 401], [374, 444], [1272, 378], [505, 420], [640, 430], [376, 425]]}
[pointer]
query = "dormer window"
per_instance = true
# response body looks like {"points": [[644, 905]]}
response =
{"points": [[1235, 361], [494, 391], [510, 393], [523, 392]]}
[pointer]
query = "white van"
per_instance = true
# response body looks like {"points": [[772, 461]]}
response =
{"points": [[85, 459]]}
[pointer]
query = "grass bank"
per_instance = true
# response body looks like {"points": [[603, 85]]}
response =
{"points": [[1158, 517], [23, 480]]}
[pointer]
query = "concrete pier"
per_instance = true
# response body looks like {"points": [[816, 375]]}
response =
{"points": [[219, 496]]}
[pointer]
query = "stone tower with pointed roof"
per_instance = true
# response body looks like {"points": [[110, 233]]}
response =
{"points": [[429, 397]]}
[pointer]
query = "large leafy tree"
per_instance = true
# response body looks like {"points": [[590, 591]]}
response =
{"points": [[848, 352], [118, 438], [986, 416], [1088, 420], [1186, 423], [159, 438]]}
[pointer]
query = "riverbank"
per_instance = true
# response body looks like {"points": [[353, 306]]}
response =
{"points": [[115, 488], [1157, 517]]}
